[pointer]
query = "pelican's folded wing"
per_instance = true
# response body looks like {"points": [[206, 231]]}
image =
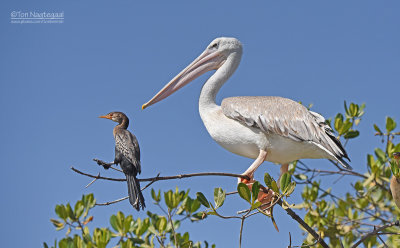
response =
{"points": [[284, 117]]}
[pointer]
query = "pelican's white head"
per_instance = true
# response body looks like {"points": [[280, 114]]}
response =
{"points": [[225, 46], [214, 56]]}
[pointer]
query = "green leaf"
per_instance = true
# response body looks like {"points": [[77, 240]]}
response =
{"points": [[380, 154], [59, 225], [198, 216], [290, 188], [128, 222], [268, 180], [351, 134], [86, 235], [338, 122], [274, 187], [61, 212], [169, 199], [219, 197], [255, 189], [346, 109], [202, 199], [78, 209], [141, 226], [114, 222], [257, 204], [302, 177], [353, 110], [156, 197], [70, 213], [194, 206], [361, 110], [88, 201], [370, 160], [244, 192], [153, 230], [346, 125], [377, 129], [161, 224], [390, 124], [285, 181]]}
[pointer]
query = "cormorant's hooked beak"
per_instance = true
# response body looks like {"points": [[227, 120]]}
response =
{"points": [[207, 61]]}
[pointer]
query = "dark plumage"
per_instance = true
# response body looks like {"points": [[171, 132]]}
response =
{"points": [[127, 155]]}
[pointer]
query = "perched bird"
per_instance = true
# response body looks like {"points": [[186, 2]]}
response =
{"points": [[127, 154], [264, 128], [395, 181]]}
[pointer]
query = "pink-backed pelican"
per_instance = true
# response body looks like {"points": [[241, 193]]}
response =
{"points": [[264, 128]]}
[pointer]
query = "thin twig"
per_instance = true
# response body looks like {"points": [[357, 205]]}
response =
{"points": [[375, 232], [241, 231], [172, 227], [221, 216], [379, 237], [124, 198], [159, 241], [232, 193], [341, 172], [112, 202], [94, 180], [145, 187]]}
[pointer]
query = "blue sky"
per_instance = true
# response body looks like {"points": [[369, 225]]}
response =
{"points": [[56, 79]]}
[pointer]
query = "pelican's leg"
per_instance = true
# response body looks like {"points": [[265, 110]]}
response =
{"points": [[265, 197], [253, 167]]}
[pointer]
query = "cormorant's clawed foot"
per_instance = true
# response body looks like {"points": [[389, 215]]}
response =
{"points": [[102, 163]]}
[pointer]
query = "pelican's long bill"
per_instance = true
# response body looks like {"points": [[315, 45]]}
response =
{"points": [[210, 59]]}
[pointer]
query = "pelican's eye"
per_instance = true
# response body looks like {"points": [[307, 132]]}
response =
{"points": [[214, 46]]}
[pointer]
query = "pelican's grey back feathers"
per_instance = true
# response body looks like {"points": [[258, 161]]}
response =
{"points": [[284, 117]]}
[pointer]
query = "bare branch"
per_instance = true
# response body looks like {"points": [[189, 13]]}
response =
{"points": [[98, 177], [297, 218], [158, 178], [375, 232]]}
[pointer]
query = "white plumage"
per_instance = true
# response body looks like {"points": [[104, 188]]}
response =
{"points": [[274, 129]]}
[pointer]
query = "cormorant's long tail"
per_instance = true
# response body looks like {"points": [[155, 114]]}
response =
{"points": [[135, 194]]}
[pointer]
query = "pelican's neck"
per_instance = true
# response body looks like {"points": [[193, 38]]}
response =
{"points": [[214, 83]]}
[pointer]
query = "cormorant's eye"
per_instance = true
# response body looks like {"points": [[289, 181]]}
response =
{"points": [[215, 45]]}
